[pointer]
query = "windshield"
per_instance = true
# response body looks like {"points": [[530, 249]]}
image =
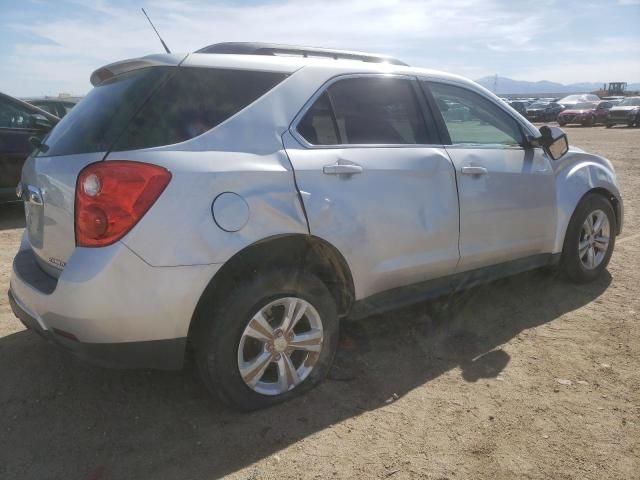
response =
{"points": [[584, 106], [630, 102], [585, 97], [539, 105]]}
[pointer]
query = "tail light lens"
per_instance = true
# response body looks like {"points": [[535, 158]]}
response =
{"points": [[112, 196]]}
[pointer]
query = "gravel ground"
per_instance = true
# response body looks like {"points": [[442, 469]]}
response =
{"points": [[528, 377]]}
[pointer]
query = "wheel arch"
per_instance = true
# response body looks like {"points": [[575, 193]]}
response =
{"points": [[303, 251], [607, 193], [579, 175]]}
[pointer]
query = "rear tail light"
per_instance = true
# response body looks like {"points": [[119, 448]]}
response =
{"points": [[112, 196]]}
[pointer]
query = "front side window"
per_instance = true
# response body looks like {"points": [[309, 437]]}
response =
{"points": [[365, 111], [13, 116], [473, 119]]}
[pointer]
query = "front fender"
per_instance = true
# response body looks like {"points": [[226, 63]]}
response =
{"points": [[578, 173]]}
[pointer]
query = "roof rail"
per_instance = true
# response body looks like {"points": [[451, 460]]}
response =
{"points": [[256, 48]]}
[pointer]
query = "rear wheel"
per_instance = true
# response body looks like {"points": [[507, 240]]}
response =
{"points": [[272, 338], [589, 240]]}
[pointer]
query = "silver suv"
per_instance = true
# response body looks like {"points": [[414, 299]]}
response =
{"points": [[244, 198]]}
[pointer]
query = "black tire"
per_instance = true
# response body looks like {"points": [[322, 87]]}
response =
{"points": [[222, 321], [608, 125], [570, 264], [562, 124]]}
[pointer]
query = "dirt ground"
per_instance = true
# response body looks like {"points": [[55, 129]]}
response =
{"points": [[528, 377]]}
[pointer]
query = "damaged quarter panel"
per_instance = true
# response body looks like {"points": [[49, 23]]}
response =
{"points": [[243, 156], [576, 174]]}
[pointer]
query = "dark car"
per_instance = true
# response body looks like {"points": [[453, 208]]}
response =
{"points": [[55, 106], [543, 111], [519, 106], [18, 122], [626, 112], [586, 114]]}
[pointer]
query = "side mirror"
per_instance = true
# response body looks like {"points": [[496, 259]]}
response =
{"points": [[41, 123], [554, 141]]}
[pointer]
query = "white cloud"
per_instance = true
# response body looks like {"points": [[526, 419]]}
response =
{"points": [[471, 37]]}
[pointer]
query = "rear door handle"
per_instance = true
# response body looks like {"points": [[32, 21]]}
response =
{"points": [[474, 170], [340, 168]]}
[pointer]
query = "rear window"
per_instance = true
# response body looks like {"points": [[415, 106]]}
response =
{"points": [[156, 106]]}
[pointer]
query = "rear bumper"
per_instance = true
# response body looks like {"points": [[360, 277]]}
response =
{"points": [[158, 354], [110, 307]]}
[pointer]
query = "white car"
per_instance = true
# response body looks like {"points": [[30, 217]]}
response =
{"points": [[244, 198]]}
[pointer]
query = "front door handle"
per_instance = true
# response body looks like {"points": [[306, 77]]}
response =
{"points": [[474, 170], [340, 168]]}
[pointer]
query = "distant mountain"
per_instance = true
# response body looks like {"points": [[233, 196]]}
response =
{"points": [[504, 86]]}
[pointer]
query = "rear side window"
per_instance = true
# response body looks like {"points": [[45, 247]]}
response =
{"points": [[319, 126], [156, 106], [365, 110], [192, 101]]}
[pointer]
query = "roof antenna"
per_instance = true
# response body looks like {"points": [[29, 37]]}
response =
{"points": [[154, 28]]}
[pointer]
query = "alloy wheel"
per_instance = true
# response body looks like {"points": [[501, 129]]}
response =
{"points": [[280, 346], [594, 239]]}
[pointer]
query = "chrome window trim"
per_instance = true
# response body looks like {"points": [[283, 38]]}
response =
{"points": [[293, 128]]}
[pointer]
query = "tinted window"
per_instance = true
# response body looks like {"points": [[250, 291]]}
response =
{"points": [[14, 116], [472, 119], [367, 110], [192, 101], [95, 123], [155, 106], [318, 126], [47, 107]]}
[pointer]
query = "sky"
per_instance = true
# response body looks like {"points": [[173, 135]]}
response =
{"points": [[49, 47]]}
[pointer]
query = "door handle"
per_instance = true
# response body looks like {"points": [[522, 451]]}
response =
{"points": [[340, 168], [474, 170]]}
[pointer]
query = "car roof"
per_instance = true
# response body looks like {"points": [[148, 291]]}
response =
{"points": [[272, 63]]}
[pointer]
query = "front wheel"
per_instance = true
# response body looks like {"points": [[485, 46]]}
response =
{"points": [[589, 240], [272, 338]]}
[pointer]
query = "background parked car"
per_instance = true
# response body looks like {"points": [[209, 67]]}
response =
{"points": [[520, 106], [18, 122], [586, 114], [626, 112], [543, 111], [55, 106], [571, 100], [615, 100]]}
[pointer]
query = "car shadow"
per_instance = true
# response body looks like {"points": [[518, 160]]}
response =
{"points": [[62, 418], [11, 216]]}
